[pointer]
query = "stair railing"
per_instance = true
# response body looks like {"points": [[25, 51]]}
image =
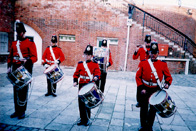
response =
{"points": [[162, 28]]}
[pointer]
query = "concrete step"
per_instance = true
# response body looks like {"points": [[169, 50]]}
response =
{"points": [[162, 38], [152, 33], [134, 22], [171, 43], [166, 41], [147, 30], [175, 46], [156, 35], [187, 54], [138, 25]]}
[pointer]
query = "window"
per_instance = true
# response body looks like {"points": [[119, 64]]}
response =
{"points": [[3, 42], [30, 38], [110, 41], [70, 38]]}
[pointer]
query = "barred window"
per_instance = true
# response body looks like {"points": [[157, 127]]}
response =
{"points": [[3, 42], [69, 38], [110, 41]]}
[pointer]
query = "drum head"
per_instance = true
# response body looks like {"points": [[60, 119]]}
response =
{"points": [[157, 99], [86, 88], [49, 68]]}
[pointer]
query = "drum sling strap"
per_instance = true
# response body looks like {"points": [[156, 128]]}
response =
{"points": [[18, 49], [155, 73], [52, 53], [88, 71]]}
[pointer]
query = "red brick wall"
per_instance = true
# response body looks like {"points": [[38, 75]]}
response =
{"points": [[176, 17], [7, 19], [88, 20]]}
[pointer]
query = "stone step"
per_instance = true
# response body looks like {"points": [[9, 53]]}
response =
{"points": [[175, 46], [138, 25], [152, 33], [147, 30], [166, 41], [171, 43], [156, 35], [162, 38], [134, 22]]}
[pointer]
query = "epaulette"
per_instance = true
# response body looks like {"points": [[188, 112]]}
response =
{"points": [[59, 47], [94, 61], [31, 40], [48, 47], [80, 62]]}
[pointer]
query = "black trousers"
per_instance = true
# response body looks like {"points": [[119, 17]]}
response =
{"points": [[51, 87], [21, 95], [102, 81], [147, 115], [85, 113]]}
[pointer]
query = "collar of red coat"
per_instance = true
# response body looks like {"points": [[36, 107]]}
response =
{"points": [[88, 61], [54, 46]]}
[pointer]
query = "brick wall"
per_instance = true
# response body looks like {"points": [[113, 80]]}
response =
{"points": [[88, 20], [7, 22], [176, 17]]}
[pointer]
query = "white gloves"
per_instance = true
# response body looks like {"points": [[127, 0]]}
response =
{"points": [[46, 65], [56, 61], [9, 70]]}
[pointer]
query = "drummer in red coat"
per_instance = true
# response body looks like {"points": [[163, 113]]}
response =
{"points": [[147, 85], [48, 60], [143, 53], [85, 113], [102, 81], [23, 52]]}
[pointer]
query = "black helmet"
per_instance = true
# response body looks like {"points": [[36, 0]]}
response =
{"points": [[154, 49], [104, 43], [20, 27], [89, 50], [54, 39], [147, 39]]}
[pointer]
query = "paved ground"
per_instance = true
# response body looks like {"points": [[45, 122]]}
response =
{"points": [[116, 113]]}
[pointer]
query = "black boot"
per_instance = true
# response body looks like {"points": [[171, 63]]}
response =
{"points": [[13, 115]]}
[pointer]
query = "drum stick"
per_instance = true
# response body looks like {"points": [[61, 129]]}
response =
{"points": [[158, 92]]}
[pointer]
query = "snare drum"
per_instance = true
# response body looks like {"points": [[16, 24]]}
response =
{"points": [[90, 95], [54, 73], [20, 77], [163, 103]]}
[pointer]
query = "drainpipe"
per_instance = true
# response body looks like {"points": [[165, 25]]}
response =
{"points": [[129, 23]]}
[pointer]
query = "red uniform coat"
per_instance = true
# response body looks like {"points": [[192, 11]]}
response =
{"points": [[80, 71], [47, 56], [110, 60], [144, 72], [141, 53], [28, 50]]}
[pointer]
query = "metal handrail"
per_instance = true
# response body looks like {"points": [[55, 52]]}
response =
{"points": [[162, 28]]}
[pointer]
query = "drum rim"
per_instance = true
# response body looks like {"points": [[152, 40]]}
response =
{"points": [[87, 91], [19, 70], [161, 101], [47, 70]]}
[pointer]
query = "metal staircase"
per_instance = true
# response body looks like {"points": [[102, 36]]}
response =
{"points": [[183, 46], [166, 32]]}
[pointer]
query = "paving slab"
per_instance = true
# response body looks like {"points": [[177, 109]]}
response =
{"points": [[116, 113]]}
